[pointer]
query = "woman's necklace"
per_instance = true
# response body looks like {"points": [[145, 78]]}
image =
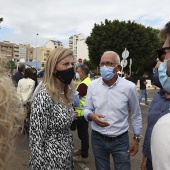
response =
{"points": [[61, 92]]}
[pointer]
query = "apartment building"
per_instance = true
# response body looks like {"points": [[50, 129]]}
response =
{"points": [[82, 50], [6, 50], [53, 44], [79, 47], [40, 54], [22, 52], [15, 52], [29, 52]]}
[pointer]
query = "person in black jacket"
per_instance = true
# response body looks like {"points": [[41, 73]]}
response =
{"points": [[143, 90], [18, 75]]}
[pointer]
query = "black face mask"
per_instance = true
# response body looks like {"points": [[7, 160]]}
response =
{"points": [[66, 76]]}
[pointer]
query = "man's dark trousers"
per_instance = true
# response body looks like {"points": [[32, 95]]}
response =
{"points": [[83, 134]]}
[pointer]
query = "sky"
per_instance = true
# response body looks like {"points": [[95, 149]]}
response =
{"points": [[59, 19]]}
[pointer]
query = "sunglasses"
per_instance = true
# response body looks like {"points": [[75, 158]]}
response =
{"points": [[161, 53]]}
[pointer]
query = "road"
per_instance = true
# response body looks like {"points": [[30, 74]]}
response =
{"points": [[20, 160]]}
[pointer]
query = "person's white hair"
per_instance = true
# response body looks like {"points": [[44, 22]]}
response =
{"points": [[115, 54]]}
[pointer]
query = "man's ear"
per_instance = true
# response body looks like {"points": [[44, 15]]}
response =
{"points": [[119, 67]]}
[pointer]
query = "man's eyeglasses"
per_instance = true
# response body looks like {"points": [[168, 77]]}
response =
{"points": [[161, 53], [107, 64]]}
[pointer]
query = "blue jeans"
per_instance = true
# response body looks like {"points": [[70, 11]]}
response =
{"points": [[142, 93], [102, 148]]}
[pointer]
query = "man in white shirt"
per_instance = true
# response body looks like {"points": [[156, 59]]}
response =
{"points": [[107, 103]]}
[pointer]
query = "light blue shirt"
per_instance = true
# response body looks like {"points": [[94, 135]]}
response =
{"points": [[114, 103]]}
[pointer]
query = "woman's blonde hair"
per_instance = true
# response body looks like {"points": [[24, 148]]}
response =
{"points": [[50, 69], [9, 114]]}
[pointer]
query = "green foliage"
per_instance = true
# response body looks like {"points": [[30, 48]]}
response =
{"points": [[1, 19], [11, 65], [89, 64], [139, 40]]}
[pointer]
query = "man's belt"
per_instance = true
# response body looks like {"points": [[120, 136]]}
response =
{"points": [[108, 137]]}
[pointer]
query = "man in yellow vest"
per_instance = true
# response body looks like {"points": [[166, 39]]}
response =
{"points": [[82, 125]]}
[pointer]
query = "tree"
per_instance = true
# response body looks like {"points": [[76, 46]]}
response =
{"points": [[139, 40], [1, 19], [89, 64], [11, 65]]}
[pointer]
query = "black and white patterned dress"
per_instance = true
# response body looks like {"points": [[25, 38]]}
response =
{"points": [[51, 143]]}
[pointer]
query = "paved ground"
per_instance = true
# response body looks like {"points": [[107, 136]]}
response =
{"points": [[20, 160]]}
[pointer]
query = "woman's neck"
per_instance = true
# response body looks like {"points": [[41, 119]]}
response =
{"points": [[60, 85]]}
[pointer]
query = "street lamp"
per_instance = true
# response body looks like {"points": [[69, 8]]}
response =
{"points": [[36, 49]]}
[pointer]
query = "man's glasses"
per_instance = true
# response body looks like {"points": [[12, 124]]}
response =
{"points": [[161, 53], [107, 64]]}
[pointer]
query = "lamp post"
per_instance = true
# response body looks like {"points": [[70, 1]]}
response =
{"points": [[36, 49]]}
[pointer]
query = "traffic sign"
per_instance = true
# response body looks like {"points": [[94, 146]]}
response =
{"points": [[125, 54], [80, 60], [124, 63], [130, 62]]}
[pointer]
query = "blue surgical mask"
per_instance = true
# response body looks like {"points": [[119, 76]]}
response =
{"points": [[163, 77], [107, 72]]}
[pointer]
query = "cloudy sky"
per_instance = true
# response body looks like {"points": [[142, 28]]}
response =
{"points": [[59, 19]]}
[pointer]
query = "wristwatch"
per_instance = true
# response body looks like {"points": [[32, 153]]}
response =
{"points": [[136, 138]]}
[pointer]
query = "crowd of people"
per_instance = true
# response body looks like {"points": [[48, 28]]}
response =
{"points": [[46, 112]]}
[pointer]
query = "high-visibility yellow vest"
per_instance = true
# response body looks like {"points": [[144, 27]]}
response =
{"points": [[80, 109]]}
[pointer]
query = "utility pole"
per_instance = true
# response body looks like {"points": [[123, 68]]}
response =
{"points": [[36, 50]]}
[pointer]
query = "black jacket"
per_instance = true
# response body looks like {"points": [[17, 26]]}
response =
{"points": [[16, 77]]}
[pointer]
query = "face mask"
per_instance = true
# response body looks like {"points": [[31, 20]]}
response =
{"points": [[66, 76], [163, 77], [107, 72]]}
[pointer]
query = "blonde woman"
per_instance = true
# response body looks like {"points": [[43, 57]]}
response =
{"points": [[52, 114], [9, 115]]}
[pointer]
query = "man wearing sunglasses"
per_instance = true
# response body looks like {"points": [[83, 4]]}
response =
{"points": [[160, 139], [108, 101]]}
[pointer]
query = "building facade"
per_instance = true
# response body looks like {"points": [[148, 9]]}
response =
{"points": [[29, 52], [15, 52], [53, 44], [25, 53], [22, 52], [40, 54], [79, 47], [6, 50], [82, 50]]}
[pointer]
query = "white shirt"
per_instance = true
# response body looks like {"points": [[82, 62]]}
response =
{"points": [[25, 89], [114, 102], [160, 144]]}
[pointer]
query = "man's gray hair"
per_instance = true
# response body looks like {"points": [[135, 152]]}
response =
{"points": [[114, 53]]}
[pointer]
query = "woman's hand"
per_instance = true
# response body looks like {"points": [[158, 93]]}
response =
{"points": [[75, 115]]}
